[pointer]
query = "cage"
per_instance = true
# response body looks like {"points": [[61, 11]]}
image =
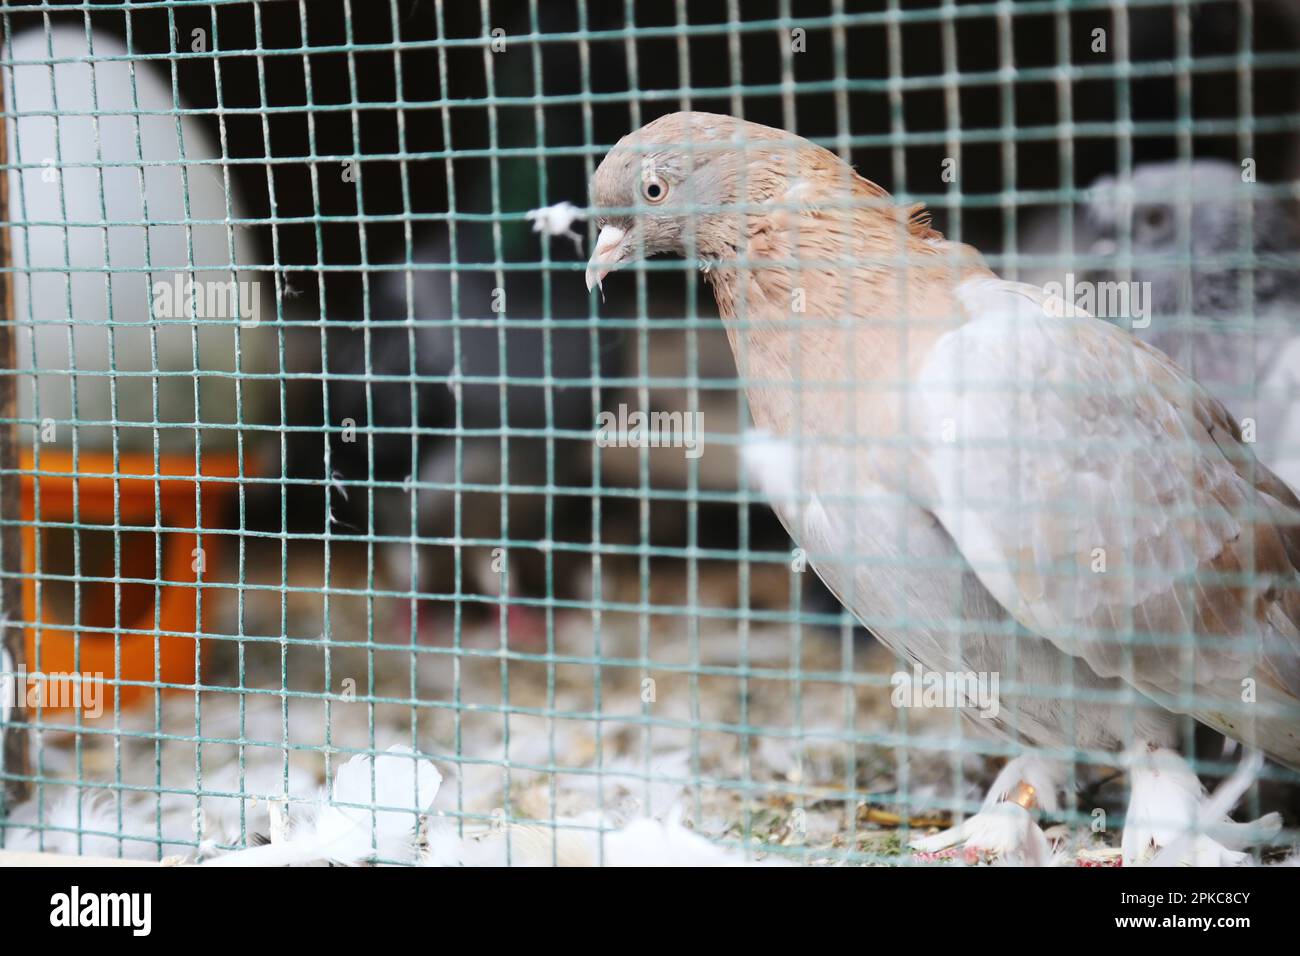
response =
{"points": [[332, 494]]}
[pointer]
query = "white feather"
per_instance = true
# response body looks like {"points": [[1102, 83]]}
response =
{"points": [[1004, 829], [771, 465], [345, 826], [577, 842], [1279, 400], [8, 692], [1171, 822], [84, 823], [557, 220]]}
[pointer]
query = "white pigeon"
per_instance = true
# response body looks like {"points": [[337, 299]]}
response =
{"points": [[1215, 260]]}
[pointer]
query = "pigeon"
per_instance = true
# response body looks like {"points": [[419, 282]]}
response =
{"points": [[993, 481], [1239, 339]]}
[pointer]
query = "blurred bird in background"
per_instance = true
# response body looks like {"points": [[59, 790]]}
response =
{"points": [[1043, 498], [1236, 329], [448, 437]]}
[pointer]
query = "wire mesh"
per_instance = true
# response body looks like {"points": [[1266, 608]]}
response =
{"points": [[322, 450]]}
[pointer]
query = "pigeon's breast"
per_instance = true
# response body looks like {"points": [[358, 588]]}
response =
{"points": [[892, 564]]}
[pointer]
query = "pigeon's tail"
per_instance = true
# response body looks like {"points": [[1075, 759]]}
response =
{"points": [[1275, 729], [1272, 723], [1279, 728], [1264, 709]]}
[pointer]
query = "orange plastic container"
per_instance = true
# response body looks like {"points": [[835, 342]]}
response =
{"points": [[56, 647]]}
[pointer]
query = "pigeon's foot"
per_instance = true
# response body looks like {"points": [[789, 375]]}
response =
{"points": [[1004, 833], [1145, 850], [1171, 821], [1005, 830]]}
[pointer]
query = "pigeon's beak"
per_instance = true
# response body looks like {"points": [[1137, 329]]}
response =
{"points": [[606, 256]]}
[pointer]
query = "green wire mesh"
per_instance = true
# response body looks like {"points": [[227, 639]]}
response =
{"points": [[663, 648]]}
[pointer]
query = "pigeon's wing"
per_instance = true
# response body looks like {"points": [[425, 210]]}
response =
{"points": [[1112, 507]]}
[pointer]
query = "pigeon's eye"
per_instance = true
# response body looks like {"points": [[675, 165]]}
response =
{"points": [[654, 189], [1153, 219]]}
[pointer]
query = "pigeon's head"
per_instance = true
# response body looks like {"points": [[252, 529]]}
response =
{"points": [[1170, 210], [672, 187]]}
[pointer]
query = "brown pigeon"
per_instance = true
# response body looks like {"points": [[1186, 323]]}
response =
{"points": [[998, 485]]}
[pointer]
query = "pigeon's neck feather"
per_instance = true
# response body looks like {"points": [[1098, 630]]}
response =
{"points": [[851, 304], [829, 286]]}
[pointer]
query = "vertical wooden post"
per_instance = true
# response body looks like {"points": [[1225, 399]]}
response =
{"points": [[13, 734]]}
